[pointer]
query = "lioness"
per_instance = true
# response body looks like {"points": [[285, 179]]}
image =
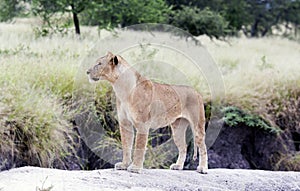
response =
{"points": [[145, 104]]}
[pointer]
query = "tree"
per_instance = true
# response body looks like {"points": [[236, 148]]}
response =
{"points": [[199, 22], [255, 17], [291, 15], [10, 9], [235, 12], [215, 5], [268, 13], [108, 14], [46, 9]]}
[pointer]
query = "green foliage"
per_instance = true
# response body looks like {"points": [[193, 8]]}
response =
{"points": [[49, 9], [215, 18], [235, 12], [199, 22], [108, 14], [234, 117], [266, 14], [292, 14], [55, 25], [254, 17], [10, 9]]}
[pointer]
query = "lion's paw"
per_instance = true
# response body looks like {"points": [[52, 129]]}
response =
{"points": [[134, 169], [121, 166], [202, 170], [176, 167]]}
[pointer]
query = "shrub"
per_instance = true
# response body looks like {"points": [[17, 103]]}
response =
{"points": [[234, 116], [199, 22]]}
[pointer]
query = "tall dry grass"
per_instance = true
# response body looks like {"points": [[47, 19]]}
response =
{"points": [[257, 72]]}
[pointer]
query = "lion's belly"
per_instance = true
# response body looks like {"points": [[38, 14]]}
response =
{"points": [[155, 116], [158, 123]]}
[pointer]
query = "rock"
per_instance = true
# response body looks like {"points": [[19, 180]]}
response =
{"points": [[34, 178], [243, 147]]}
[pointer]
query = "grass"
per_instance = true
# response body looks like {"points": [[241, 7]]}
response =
{"points": [[256, 71], [33, 125], [36, 79], [38, 75], [290, 162], [43, 188]]}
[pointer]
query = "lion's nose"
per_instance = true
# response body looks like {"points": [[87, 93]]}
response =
{"points": [[88, 72]]}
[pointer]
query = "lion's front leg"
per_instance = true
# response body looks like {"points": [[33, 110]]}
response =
{"points": [[127, 135], [139, 151]]}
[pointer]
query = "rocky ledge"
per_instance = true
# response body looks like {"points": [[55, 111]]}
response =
{"points": [[42, 179]]}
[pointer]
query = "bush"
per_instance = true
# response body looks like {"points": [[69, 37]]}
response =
{"points": [[234, 116], [10, 9], [199, 22]]}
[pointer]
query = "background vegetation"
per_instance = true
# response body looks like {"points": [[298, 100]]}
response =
{"points": [[215, 18], [38, 68]]}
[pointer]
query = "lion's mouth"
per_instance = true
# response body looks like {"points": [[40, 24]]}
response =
{"points": [[95, 79]]}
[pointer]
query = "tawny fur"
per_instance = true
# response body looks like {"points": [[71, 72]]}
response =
{"points": [[143, 104]]}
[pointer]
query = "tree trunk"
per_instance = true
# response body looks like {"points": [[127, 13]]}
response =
{"points": [[75, 20], [265, 31], [275, 22], [296, 29], [254, 29]]}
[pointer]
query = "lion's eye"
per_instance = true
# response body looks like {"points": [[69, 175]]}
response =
{"points": [[99, 63]]}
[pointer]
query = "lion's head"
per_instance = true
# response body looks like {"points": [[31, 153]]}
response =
{"points": [[106, 68]]}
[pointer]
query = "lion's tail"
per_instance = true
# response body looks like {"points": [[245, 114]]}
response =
{"points": [[195, 149], [200, 128]]}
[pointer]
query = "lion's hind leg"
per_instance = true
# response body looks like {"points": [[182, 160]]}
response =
{"points": [[200, 142], [178, 131]]}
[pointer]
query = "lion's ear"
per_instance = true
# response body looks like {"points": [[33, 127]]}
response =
{"points": [[115, 60]]}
